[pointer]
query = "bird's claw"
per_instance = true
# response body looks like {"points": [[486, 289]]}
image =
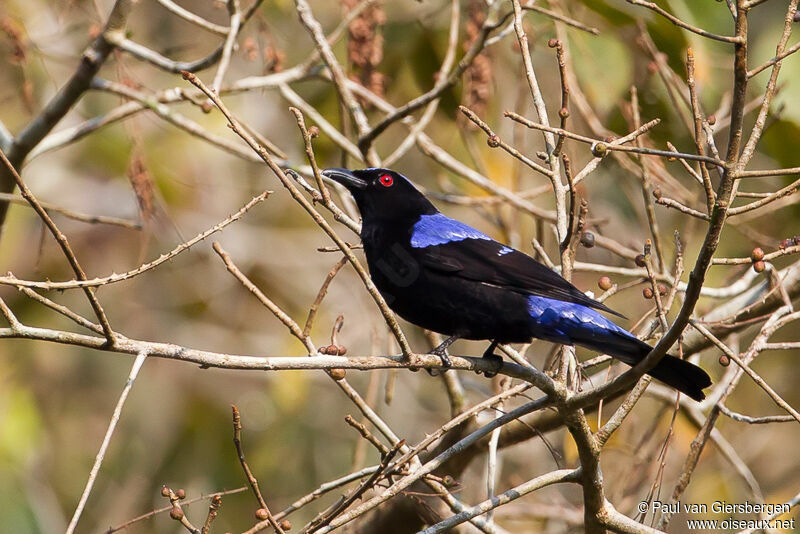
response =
{"points": [[497, 361], [446, 363]]}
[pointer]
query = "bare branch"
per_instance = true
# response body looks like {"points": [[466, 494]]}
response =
{"points": [[194, 18], [62, 241], [681, 24], [83, 217], [553, 477], [114, 278], [112, 425]]}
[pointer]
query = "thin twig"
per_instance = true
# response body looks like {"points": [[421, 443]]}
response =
{"points": [[553, 477], [101, 454], [686, 26], [126, 524], [62, 241], [83, 217], [114, 278], [341, 506], [697, 115], [213, 510], [599, 147], [367, 435], [746, 368], [230, 42], [193, 18], [281, 315], [251, 479]]}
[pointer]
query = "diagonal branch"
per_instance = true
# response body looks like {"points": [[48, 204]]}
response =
{"points": [[91, 61], [65, 248], [112, 425]]}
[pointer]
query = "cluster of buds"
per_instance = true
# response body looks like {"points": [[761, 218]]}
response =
{"points": [[262, 514], [176, 512], [758, 259], [333, 350], [648, 292]]}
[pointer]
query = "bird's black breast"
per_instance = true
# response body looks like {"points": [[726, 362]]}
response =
{"points": [[392, 264]]}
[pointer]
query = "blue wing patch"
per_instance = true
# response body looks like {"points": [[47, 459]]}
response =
{"points": [[556, 320], [438, 229], [505, 250]]}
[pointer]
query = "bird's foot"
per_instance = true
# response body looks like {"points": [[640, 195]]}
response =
{"points": [[496, 360], [446, 364], [441, 352]]}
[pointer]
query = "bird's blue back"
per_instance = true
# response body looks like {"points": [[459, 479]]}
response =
{"points": [[439, 229]]}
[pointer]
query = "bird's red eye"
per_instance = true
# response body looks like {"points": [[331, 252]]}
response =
{"points": [[386, 180]]}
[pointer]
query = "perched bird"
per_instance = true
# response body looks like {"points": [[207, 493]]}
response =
{"points": [[443, 275]]}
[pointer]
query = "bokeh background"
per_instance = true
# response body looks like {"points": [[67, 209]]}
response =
{"points": [[56, 401]]}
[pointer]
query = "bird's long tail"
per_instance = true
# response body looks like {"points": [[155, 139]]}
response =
{"points": [[679, 374]]}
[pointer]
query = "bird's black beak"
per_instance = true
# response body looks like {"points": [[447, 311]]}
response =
{"points": [[346, 178]]}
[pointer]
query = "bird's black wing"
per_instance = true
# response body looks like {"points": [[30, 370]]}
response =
{"points": [[490, 262]]}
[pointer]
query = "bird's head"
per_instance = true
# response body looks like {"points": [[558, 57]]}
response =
{"points": [[383, 194]]}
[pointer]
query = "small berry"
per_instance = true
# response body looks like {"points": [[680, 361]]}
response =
{"points": [[757, 254], [181, 493], [759, 266], [599, 150], [647, 293], [711, 120], [640, 260], [662, 289], [587, 239], [604, 283], [563, 113], [552, 43], [493, 141], [164, 491], [286, 524], [176, 513], [338, 374], [724, 361], [341, 350], [262, 514]]}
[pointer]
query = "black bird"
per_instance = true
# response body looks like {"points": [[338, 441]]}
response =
{"points": [[443, 275]]}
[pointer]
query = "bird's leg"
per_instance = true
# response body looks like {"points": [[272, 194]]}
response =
{"points": [[441, 351], [490, 355]]}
